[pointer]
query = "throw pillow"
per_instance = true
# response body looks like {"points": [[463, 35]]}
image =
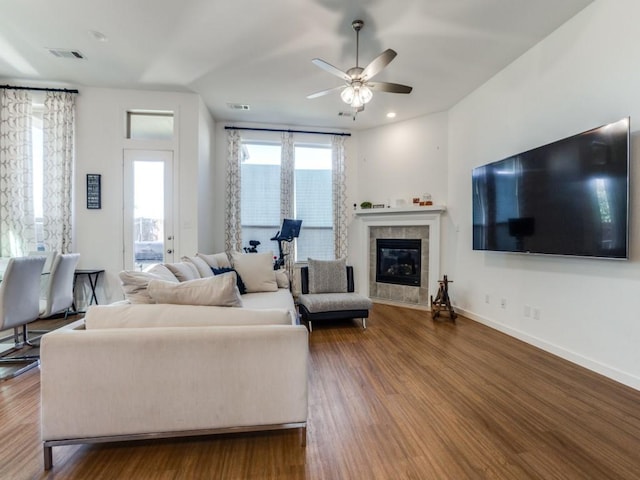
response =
{"points": [[328, 276], [256, 270], [282, 278], [239, 282], [204, 270], [183, 271], [219, 290], [215, 260], [134, 284]]}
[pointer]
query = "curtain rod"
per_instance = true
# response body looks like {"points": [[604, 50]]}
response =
{"points": [[342, 134], [11, 87]]}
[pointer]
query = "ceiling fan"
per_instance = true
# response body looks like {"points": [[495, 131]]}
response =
{"points": [[358, 88]]}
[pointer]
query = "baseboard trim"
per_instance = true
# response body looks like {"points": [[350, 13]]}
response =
{"points": [[573, 357]]}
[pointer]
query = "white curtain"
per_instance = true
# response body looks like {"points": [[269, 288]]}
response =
{"points": [[287, 181], [58, 123], [339, 192], [233, 226], [17, 221]]}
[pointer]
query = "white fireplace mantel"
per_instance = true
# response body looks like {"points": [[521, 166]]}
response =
{"points": [[401, 217], [409, 210]]}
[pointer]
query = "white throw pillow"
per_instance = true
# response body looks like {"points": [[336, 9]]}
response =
{"points": [[184, 271], [215, 260], [220, 290], [256, 271], [282, 278], [327, 276], [204, 270], [134, 284]]}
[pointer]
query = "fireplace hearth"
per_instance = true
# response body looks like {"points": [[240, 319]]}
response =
{"points": [[398, 261]]}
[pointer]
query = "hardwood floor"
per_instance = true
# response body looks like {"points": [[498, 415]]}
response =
{"points": [[405, 399]]}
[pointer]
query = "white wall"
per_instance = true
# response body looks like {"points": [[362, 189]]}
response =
{"points": [[206, 179], [585, 74], [100, 140], [398, 162]]}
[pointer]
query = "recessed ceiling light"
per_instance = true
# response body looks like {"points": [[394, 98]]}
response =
{"points": [[99, 36], [391, 115]]}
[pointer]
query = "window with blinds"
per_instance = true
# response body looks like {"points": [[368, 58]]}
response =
{"points": [[312, 198]]}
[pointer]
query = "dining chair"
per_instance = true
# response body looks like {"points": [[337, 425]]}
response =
{"points": [[20, 295], [59, 296]]}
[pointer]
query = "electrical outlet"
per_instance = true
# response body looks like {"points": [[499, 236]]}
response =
{"points": [[487, 299], [536, 314], [503, 303], [527, 311]]}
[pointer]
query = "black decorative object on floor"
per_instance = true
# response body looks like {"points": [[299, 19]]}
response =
{"points": [[442, 300]]}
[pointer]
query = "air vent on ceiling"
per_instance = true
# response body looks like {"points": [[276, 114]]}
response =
{"points": [[63, 53], [238, 106]]}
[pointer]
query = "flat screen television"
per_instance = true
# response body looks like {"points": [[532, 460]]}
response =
{"points": [[570, 197]]}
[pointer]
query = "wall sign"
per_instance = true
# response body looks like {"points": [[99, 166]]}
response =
{"points": [[94, 195]]}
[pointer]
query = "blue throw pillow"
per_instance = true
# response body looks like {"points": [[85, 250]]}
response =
{"points": [[239, 282]]}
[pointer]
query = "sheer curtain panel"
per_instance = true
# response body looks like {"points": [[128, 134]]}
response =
{"points": [[339, 193], [233, 226], [287, 179], [17, 221], [58, 124]]}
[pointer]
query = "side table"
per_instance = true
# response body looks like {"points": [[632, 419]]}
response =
{"points": [[92, 275]]}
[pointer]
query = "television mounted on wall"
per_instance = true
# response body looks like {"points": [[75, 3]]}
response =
{"points": [[570, 197]]}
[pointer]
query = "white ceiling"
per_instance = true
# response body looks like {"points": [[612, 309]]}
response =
{"points": [[259, 53]]}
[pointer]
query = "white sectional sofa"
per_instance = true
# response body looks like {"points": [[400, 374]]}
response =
{"points": [[134, 371]]}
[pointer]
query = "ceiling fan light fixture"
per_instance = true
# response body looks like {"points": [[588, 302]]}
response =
{"points": [[348, 94], [365, 94], [356, 95]]}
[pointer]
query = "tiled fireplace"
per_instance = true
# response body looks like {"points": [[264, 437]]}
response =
{"points": [[402, 254]]}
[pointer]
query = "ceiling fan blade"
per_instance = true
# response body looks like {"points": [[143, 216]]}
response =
{"points": [[325, 92], [378, 63], [327, 67], [389, 87]]}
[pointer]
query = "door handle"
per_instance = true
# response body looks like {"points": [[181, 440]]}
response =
{"points": [[169, 251]]}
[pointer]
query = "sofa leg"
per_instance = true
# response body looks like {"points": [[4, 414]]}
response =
{"points": [[310, 326], [303, 436], [364, 323], [48, 458]]}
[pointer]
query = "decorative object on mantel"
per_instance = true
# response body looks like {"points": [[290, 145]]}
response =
{"points": [[366, 205], [410, 209], [442, 301], [378, 205], [426, 200]]}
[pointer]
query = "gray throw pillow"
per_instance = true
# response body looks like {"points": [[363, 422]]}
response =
{"points": [[327, 276]]}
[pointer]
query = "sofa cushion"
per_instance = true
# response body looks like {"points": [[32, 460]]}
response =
{"points": [[134, 284], [215, 260], [256, 270], [219, 290], [330, 302], [183, 271], [282, 278], [159, 315], [204, 270], [239, 282], [327, 276]]}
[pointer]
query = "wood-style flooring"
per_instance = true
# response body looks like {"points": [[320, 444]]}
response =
{"points": [[408, 398]]}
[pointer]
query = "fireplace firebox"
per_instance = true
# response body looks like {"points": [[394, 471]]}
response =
{"points": [[398, 261]]}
